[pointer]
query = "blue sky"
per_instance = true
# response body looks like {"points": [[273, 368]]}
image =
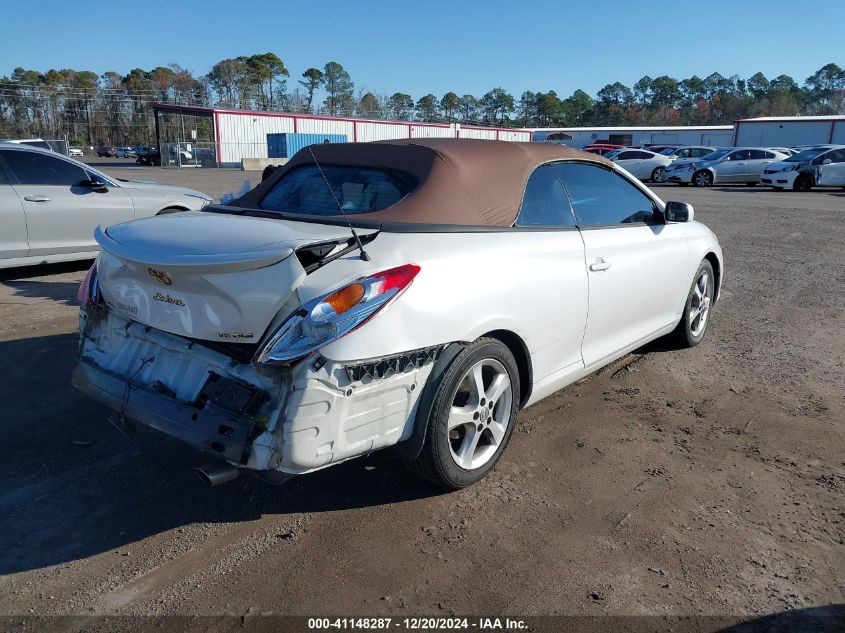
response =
{"points": [[436, 46]]}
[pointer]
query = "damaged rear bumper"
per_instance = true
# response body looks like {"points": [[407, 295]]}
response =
{"points": [[214, 431], [294, 419]]}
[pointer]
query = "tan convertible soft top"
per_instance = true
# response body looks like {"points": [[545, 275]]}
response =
{"points": [[461, 181]]}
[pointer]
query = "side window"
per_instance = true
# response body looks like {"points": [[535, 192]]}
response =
{"points": [[836, 156], [601, 197], [3, 179], [683, 153], [739, 155], [544, 202], [90, 175], [627, 155], [31, 168], [818, 160], [699, 152]]}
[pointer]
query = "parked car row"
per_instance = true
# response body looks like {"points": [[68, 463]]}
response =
{"points": [[778, 167], [726, 165], [109, 151]]}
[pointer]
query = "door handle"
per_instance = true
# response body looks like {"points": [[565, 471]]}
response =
{"points": [[37, 198], [599, 265]]}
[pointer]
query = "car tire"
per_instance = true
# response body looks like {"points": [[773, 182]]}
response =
{"points": [[468, 428], [658, 175], [702, 178], [170, 210], [804, 182], [693, 324]]}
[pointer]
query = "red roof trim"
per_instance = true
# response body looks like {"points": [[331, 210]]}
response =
{"points": [[170, 107]]}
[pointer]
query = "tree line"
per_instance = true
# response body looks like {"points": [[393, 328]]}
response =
{"points": [[111, 108]]}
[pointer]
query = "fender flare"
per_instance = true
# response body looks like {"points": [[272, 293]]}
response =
{"points": [[410, 448]]}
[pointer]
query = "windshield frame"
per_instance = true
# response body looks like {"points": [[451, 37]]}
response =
{"points": [[806, 155]]}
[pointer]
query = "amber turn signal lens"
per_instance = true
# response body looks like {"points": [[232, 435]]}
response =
{"points": [[345, 298]]}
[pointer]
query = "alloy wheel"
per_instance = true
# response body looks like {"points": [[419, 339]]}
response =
{"points": [[480, 412], [703, 179], [700, 307]]}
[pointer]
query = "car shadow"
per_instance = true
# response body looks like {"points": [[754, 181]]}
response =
{"points": [[63, 292], [825, 619], [72, 486], [105, 163], [663, 344], [762, 189], [42, 270]]}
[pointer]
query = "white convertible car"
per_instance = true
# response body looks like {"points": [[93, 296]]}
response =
{"points": [[409, 294]]}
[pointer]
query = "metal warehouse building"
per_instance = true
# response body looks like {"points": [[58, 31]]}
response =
{"points": [[789, 131], [239, 134], [715, 135]]}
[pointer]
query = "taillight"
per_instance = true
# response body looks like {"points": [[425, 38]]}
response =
{"points": [[89, 290], [327, 318]]}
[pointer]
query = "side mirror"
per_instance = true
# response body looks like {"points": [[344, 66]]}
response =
{"points": [[679, 212], [95, 185], [827, 161]]}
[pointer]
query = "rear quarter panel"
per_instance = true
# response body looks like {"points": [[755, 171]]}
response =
{"points": [[149, 202], [532, 283]]}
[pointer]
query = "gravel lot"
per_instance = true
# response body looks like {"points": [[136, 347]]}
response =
{"points": [[689, 482]]}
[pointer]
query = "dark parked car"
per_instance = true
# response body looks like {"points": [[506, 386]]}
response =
{"points": [[106, 151], [149, 156]]}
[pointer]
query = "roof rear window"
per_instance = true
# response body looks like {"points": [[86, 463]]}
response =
{"points": [[309, 191]]}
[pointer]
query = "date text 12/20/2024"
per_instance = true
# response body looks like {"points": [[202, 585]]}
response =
{"points": [[417, 624]]}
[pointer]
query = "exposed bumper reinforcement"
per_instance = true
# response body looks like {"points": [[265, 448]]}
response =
{"points": [[214, 431]]}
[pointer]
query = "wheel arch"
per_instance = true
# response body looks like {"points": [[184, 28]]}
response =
{"points": [[709, 170], [804, 175], [411, 447], [172, 208], [520, 353], [717, 272]]}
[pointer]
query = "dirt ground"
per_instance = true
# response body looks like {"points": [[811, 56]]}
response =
{"points": [[701, 482]]}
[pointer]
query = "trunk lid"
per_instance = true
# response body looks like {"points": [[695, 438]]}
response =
{"points": [[204, 275]]}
